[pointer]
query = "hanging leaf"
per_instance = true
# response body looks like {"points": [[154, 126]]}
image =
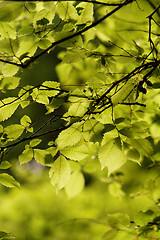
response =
{"points": [[75, 184], [26, 156], [5, 165], [7, 107], [111, 155], [9, 70], [70, 136], [9, 83], [60, 173], [39, 156], [14, 131], [8, 181]]}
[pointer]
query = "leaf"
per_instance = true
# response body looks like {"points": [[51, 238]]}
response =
{"points": [[7, 107], [39, 156], [69, 136], [44, 43], [60, 173], [43, 17], [93, 130], [42, 99], [49, 88], [9, 47], [7, 31], [66, 10], [133, 155], [9, 69], [75, 185], [86, 15], [26, 30], [81, 151], [8, 181], [14, 131], [123, 92], [74, 55], [143, 146], [26, 156], [115, 189], [25, 121], [9, 83], [5, 165], [78, 109], [142, 218], [10, 10], [35, 142], [118, 220], [111, 155]]}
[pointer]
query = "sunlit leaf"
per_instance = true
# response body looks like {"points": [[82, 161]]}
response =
{"points": [[60, 173], [70, 136], [7, 107], [111, 155], [75, 185], [8, 181]]}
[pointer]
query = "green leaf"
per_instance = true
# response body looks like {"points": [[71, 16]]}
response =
{"points": [[9, 47], [25, 121], [74, 55], [69, 136], [42, 99], [7, 107], [78, 109], [5, 165], [35, 142], [26, 156], [60, 173], [10, 10], [86, 15], [8, 181], [133, 155], [9, 83], [44, 43], [26, 30], [39, 156], [123, 92], [143, 146], [9, 70], [142, 218], [14, 131], [43, 17], [49, 88], [81, 151], [118, 220], [66, 10], [93, 130], [7, 31], [111, 155], [75, 184], [115, 189]]}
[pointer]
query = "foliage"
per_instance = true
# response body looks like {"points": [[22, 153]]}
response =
{"points": [[100, 113]]}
